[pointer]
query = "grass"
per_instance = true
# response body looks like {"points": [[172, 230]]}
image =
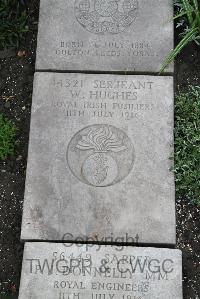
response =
{"points": [[188, 17], [7, 137], [187, 144], [13, 19]]}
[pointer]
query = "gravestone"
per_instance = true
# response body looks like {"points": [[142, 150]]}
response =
{"points": [[98, 163], [104, 35], [66, 271]]}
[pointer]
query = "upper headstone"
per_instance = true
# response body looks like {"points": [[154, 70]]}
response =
{"points": [[104, 35], [66, 271], [98, 162]]}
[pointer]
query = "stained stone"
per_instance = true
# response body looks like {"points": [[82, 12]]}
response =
{"points": [[98, 162], [104, 35], [66, 271]]}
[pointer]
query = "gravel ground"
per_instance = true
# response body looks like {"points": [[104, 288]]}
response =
{"points": [[16, 78]]}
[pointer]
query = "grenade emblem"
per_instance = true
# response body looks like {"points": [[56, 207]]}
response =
{"points": [[96, 155]]}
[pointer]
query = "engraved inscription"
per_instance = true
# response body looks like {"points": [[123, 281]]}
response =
{"points": [[103, 274], [101, 16], [100, 155]]}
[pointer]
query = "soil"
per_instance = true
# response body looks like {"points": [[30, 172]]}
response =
{"points": [[16, 79]]}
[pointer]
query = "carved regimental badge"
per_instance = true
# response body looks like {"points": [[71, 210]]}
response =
{"points": [[100, 155], [100, 16]]}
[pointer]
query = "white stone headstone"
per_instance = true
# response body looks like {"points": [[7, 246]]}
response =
{"points": [[98, 162], [66, 271], [105, 35]]}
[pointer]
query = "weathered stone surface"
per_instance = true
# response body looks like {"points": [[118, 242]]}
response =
{"points": [[98, 163], [66, 271], [104, 35]]}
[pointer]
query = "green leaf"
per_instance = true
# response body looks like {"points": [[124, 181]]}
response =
{"points": [[188, 37], [187, 8], [13, 19], [7, 137], [187, 144]]}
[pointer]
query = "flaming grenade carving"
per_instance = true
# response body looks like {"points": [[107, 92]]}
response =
{"points": [[100, 149], [99, 165]]}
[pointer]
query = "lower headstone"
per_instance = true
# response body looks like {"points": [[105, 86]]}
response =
{"points": [[80, 271], [99, 159]]}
